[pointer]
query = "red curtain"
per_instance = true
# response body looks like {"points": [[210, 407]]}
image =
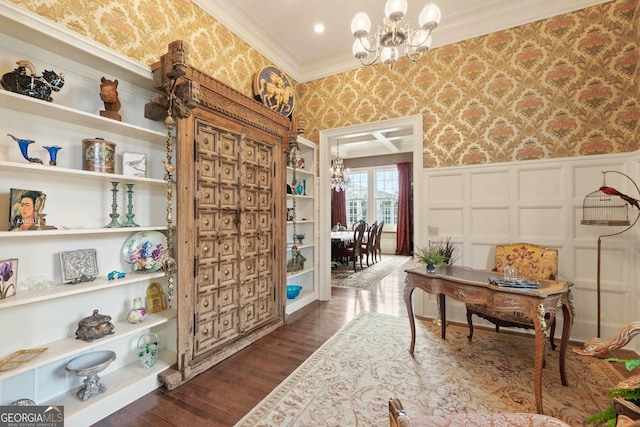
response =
{"points": [[404, 231], [338, 208]]}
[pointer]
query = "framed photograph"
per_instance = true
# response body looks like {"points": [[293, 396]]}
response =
{"points": [[8, 277], [78, 266], [134, 164], [26, 209], [290, 212]]}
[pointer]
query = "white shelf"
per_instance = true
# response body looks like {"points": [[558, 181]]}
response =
{"points": [[127, 382], [25, 104], [69, 232], [76, 173], [300, 273], [304, 298], [291, 196], [307, 245], [305, 221], [69, 346], [64, 290], [301, 171], [27, 26]]}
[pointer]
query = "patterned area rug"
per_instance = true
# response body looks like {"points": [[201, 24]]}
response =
{"points": [[349, 380], [345, 277]]}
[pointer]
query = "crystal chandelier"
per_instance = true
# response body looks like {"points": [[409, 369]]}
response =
{"points": [[339, 175], [393, 33]]}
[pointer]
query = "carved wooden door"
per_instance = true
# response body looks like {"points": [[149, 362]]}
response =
{"points": [[230, 228], [234, 189]]}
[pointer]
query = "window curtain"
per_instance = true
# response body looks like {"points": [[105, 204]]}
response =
{"points": [[404, 231], [338, 207]]}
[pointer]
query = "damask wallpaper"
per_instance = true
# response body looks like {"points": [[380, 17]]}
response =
{"points": [[565, 86]]}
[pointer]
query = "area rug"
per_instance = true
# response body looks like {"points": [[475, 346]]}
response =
{"points": [[365, 278], [348, 381]]}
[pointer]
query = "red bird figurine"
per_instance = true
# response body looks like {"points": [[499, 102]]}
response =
{"points": [[613, 192]]}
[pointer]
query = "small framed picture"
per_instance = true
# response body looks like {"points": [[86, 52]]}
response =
{"points": [[79, 266], [8, 278], [300, 162], [134, 164], [290, 212], [155, 298]]}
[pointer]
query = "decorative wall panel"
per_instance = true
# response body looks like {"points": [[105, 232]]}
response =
{"points": [[541, 185], [496, 181], [540, 223]]}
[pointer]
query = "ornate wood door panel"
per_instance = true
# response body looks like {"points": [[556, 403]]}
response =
{"points": [[230, 244]]}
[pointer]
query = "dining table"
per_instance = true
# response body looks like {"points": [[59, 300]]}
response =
{"points": [[342, 237]]}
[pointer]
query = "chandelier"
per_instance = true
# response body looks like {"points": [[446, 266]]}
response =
{"points": [[393, 33], [339, 175]]}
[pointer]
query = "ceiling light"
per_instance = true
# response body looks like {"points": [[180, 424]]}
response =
{"points": [[393, 33], [318, 28], [339, 175]]}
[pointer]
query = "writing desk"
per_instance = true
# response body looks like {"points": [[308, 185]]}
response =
{"points": [[469, 285]]}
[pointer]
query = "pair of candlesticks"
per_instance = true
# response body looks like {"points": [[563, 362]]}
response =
{"points": [[24, 149], [114, 208]]}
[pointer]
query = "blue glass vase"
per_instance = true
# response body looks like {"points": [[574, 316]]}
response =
{"points": [[53, 153], [24, 148]]}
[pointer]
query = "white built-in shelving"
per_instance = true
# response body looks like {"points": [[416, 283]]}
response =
{"points": [[306, 207], [45, 312]]}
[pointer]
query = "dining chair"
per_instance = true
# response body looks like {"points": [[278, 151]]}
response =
{"points": [[529, 260], [377, 252], [353, 252], [368, 247]]}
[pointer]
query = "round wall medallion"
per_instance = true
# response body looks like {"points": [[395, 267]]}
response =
{"points": [[273, 88]]}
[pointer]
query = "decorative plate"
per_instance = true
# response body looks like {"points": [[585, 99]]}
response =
{"points": [[273, 88], [19, 357], [145, 251]]}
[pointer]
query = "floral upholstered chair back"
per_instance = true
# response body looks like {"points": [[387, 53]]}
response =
{"points": [[529, 260]]}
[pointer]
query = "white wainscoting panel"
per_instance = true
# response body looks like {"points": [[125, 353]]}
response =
{"points": [[539, 202]]}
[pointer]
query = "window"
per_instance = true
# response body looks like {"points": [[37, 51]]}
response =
{"points": [[357, 196], [376, 188]]}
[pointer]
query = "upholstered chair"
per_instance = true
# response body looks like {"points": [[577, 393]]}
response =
{"points": [[399, 418], [529, 260]]}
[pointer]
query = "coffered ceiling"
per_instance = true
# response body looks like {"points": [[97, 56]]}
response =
{"points": [[283, 31]]}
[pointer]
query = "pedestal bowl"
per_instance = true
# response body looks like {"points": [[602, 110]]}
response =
{"points": [[89, 365]]}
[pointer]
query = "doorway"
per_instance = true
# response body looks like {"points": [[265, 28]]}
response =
{"points": [[327, 139]]}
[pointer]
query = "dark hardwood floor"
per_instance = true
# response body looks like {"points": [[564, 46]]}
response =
{"points": [[226, 392], [222, 395]]}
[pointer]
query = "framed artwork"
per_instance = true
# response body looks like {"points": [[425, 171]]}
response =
{"points": [[26, 209], [134, 164], [155, 298], [78, 266], [8, 277]]}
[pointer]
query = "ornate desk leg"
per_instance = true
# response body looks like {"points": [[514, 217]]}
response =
{"points": [[442, 313], [568, 312], [541, 337], [408, 294]]}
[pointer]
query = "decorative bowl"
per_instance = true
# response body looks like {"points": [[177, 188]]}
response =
{"points": [[293, 291], [89, 365]]}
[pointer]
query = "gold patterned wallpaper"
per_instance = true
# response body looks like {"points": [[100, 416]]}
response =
{"points": [[565, 86]]}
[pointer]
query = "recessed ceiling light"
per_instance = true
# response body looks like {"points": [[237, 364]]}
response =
{"points": [[319, 28]]}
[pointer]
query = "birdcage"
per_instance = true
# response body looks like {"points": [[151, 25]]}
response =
{"points": [[608, 206], [600, 208]]}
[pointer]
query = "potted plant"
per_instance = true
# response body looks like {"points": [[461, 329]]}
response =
{"points": [[430, 256], [625, 399]]}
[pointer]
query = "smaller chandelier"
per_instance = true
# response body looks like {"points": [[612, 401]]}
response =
{"points": [[394, 33], [339, 175]]}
